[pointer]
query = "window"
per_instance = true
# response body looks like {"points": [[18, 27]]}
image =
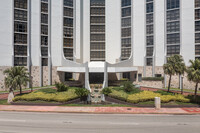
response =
{"points": [[97, 37], [149, 62], [197, 3], [44, 7], [171, 4], [68, 32], [126, 3], [97, 20], [44, 29], [149, 51], [20, 61], [44, 18], [68, 12], [126, 12], [149, 29], [97, 46], [20, 26], [44, 40], [20, 4], [197, 50], [20, 50], [97, 11], [20, 38], [20, 15], [126, 52], [149, 7], [197, 14], [126, 32], [173, 27], [68, 22], [173, 38], [44, 61], [68, 42], [172, 50], [96, 29], [44, 51], [173, 15], [126, 42], [68, 3], [127, 75], [97, 2], [149, 18], [150, 40], [68, 53], [126, 22]]}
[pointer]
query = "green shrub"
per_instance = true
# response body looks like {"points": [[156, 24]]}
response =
{"points": [[42, 96], [106, 91], [61, 87], [128, 86], [149, 96], [153, 78], [82, 92], [121, 95]]}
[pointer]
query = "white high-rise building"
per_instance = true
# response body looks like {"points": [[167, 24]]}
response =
{"points": [[96, 40]]}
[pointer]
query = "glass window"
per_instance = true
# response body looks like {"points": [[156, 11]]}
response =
{"points": [[171, 4], [197, 50], [68, 42], [149, 7], [20, 15], [126, 32], [44, 18], [173, 38], [173, 15], [68, 22], [149, 61], [68, 12], [44, 40], [20, 61], [20, 4], [44, 61], [126, 3], [97, 2], [149, 51], [173, 27], [150, 40], [20, 26], [44, 51], [126, 12], [20, 50], [172, 50], [68, 3], [20, 38], [44, 7]]}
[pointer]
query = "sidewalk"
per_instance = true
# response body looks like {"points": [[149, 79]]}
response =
{"points": [[100, 110]]}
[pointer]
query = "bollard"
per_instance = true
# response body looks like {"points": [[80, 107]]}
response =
{"points": [[157, 103]]}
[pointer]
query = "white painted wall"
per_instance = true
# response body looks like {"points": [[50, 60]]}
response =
{"points": [[159, 34], [35, 32], [86, 31], [138, 32], [113, 30], [188, 30], [6, 32], [57, 32]]}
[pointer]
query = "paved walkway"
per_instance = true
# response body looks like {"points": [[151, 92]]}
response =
{"points": [[100, 110]]}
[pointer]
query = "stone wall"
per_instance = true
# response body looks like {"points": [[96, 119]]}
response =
{"points": [[35, 76]]}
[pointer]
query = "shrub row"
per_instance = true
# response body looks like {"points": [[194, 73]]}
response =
{"points": [[121, 95], [42, 96], [153, 78], [149, 96]]}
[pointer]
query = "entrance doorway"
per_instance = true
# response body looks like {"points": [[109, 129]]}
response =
{"points": [[96, 78]]}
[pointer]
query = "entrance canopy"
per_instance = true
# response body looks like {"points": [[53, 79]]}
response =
{"points": [[97, 67]]}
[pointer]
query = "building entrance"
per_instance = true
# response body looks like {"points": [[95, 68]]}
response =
{"points": [[96, 78]]}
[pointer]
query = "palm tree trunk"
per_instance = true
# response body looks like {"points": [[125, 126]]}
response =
{"points": [[20, 89], [169, 85], [195, 94]]}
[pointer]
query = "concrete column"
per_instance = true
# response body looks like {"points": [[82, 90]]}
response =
{"points": [[157, 103], [105, 74], [86, 76], [49, 45]]}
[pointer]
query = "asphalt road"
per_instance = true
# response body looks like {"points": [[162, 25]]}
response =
{"points": [[13, 122]]}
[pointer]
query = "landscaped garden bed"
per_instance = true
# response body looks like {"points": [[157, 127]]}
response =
{"points": [[136, 97]]}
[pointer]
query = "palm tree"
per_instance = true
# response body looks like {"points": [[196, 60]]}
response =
{"points": [[169, 69], [180, 67], [16, 77], [194, 73]]}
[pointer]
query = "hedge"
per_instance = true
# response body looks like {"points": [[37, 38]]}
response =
{"points": [[153, 78], [42, 96], [149, 96]]}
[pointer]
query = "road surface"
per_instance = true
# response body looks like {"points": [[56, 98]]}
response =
{"points": [[21, 122]]}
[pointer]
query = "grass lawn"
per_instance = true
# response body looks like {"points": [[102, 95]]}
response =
{"points": [[26, 89], [185, 90], [3, 102]]}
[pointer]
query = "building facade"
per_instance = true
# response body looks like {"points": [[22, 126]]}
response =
{"points": [[97, 40]]}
